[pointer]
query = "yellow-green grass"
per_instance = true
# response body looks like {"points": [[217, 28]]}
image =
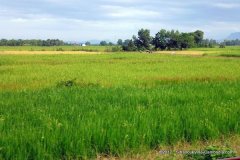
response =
{"points": [[40, 71], [229, 51], [56, 48], [227, 48], [47, 52], [118, 105]]}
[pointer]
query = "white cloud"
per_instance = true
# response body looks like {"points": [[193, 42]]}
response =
{"points": [[112, 19], [227, 5], [128, 12]]}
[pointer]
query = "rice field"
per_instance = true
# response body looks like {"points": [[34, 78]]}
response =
{"points": [[81, 106], [56, 48]]}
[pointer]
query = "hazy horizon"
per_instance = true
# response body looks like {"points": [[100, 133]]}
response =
{"points": [[76, 20]]}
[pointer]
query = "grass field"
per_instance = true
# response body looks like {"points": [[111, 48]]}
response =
{"points": [[229, 51], [56, 48], [75, 106]]}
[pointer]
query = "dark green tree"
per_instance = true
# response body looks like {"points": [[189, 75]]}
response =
{"points": [[173, 42], [120, 42], [110, 44], [161, 40], [143, 41], [88, 43], [186, 40], [103, 43], [198, 37], [129, 45]]}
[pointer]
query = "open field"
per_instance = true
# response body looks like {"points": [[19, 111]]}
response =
{"points": [[46, 52], [81, 106], [228, 51], [56, 48]]}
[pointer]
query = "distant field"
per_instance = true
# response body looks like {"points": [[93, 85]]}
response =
{"points": [[61, 106], [56, 48], [229, 51], [232, 50]]}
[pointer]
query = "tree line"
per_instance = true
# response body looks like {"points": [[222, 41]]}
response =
{"points": [[231, 42], [164, 40], [33, 42]]}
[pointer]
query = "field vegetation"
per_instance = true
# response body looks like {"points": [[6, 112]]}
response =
{"points": [[57, 48], [84, 106]]}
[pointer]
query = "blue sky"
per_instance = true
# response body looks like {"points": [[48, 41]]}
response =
{"points": [[81, 20]]}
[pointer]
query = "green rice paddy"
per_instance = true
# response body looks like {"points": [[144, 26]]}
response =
{"points": [[82, 106]]}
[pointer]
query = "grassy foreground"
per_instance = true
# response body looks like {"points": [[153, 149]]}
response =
{"points": [[116, 104]]}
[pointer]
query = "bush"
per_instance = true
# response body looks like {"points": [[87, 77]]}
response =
{"points": [[116, 49], [59, 49], [68, 83], [222, 46], [205, 54]]}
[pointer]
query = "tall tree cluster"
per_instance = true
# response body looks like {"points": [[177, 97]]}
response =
{"points": [[163, 40], [33, 42]]}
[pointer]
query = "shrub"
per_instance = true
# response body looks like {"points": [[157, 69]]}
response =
{"points": [[116, 49], [59, 49], [222, 46], [68, 83]]}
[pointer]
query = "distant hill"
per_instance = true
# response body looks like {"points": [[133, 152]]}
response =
{"points": [[234, 36]]}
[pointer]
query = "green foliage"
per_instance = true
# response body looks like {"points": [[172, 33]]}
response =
{"points": [[129, 45], [173, 42], [186, 40], [140, 43], [68, 83], [86, 121], [103, 43], [120, 103], [34, 42], [120, 42], [208, 43], [144, 39], [59, 49], [212, 153], [116, 49], [222, 46], [235, 42], [163, 40], [198, 37], [87, 43], [230, 55], [110, 44]]}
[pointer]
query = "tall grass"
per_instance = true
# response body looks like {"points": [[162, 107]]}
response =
{"points": [[116, 103], [40, 71], [86, 121]]}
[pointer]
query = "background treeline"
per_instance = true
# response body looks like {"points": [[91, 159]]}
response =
{"points": [[166, 40], [231, 42], [163, 40], [33, 42]]}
